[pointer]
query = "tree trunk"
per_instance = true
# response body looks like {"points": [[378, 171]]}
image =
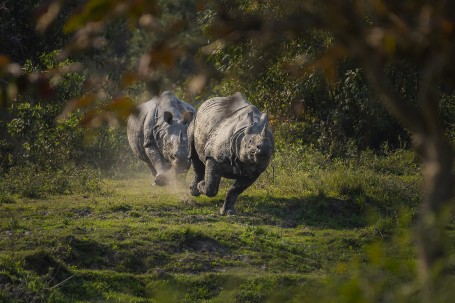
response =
{"points": [[437, 158]]}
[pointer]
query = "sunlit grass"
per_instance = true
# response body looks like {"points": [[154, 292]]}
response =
{"points": [[129, 241]]}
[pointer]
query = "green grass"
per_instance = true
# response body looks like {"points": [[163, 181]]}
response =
{"points": [[298, 227]]}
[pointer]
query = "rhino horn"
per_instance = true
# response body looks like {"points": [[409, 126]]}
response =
{"points": [[180, 137], [264, 118], [264, 131]]}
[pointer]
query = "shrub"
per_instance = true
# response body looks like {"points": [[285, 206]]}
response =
{"points": [[34, 182]]}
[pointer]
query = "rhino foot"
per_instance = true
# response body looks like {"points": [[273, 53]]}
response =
{"points": [[201, 187], [160, 180], [209, 191], [228, 211], [194, 191]]}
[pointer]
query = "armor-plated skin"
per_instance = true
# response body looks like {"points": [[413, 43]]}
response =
{"points": [[157, 134], [228, 138]]}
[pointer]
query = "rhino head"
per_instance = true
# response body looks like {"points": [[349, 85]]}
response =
{"points": [[175, 141], [256, 145]]}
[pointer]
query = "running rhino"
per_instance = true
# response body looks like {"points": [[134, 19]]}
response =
{"points": [[157, 134], [229, 138]]}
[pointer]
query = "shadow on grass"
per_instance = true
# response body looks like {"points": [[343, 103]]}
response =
{"points": [[316, 211]]}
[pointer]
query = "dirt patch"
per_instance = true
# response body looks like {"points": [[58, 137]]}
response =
{"points": [[204, 244]]}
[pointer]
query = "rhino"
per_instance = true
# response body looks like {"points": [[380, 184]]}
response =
{"points": [[157, 134], [229, 138]]}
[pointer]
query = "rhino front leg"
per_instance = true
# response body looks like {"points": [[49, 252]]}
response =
{"points": [[159, 164], [199, 173], [209, 186], [233, 193], [198, 165], [152, 169]]}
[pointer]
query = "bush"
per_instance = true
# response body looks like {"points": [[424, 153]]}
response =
{"points": [[39, 139], [34, 182]]}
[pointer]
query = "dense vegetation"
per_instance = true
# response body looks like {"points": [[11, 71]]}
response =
{"points": [[330, 219]]}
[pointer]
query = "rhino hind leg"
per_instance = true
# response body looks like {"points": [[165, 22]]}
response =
{"points": [[209, 186], [233, 193]]}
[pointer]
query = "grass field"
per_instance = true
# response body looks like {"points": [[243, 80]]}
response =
{"points": [[299, 229]]}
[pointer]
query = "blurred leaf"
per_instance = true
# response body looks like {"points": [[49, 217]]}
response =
{"points": [[47, 14], [197, 83], [128, 78], [112, 112], [328, 64], [76, 103], [4, 61], [165, 55], [99, 10], [94, 10], [121, 106]]}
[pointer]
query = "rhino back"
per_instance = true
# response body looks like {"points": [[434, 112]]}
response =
{"points": [[222, 143], [135, 128], [212, 114]]}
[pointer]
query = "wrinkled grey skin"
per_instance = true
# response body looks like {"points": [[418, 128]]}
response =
{"points": [[157, 134], [228, 138]]}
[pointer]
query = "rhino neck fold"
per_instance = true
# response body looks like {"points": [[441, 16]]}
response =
{"points": [[235, 143], [158, 131]]}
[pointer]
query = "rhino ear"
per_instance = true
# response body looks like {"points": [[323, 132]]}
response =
{"points": [[187, 117], [167, 116], [250, 118]]}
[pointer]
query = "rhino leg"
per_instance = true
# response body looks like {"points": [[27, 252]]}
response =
{"points": [[199, 173], [209, 186], [153, 171], [158, 163], [233, 193], [198, 166]]}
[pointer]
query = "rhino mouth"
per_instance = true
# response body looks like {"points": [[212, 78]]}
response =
{"points": [[261, 155]]}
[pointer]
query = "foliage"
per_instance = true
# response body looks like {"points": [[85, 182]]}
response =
{"points": [[328, 116], [35, 182], [21, 40], [41, 141], [41, 154]]}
